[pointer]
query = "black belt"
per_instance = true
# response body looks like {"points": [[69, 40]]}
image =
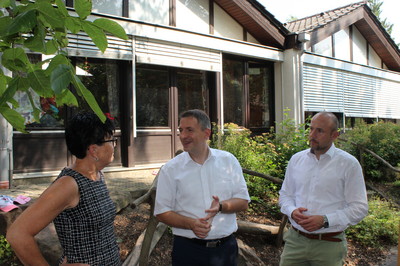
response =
{"points": [[208, 243]]}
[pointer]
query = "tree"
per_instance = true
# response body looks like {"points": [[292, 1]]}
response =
{"points": [[376, 6], [42, 27]]}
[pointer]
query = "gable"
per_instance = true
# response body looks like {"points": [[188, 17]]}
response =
{"points": [[326, 24]]}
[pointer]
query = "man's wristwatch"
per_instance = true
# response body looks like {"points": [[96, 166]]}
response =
{"points": [[326, 222], [220, 207]]}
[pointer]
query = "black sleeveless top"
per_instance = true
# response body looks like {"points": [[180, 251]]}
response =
{"points": [[86, 232]]}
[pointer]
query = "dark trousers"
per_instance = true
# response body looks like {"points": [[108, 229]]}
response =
{"points": [[186, 252]]}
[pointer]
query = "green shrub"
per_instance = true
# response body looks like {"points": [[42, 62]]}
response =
{"points": [[7, 255], [267, 153], [379, 228], [381, 138]]}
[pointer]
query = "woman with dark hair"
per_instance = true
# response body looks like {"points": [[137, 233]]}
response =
{"points": [[77, 202]]}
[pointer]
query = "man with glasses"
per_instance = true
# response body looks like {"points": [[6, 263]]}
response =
{"points": [[198, 194]]}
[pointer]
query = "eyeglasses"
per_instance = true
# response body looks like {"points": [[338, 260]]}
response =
{"points": [[114, 141]]}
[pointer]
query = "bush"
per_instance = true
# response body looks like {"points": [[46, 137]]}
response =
{"points": [[267, 153], [381, 138], [7, 255], [379, 228]]}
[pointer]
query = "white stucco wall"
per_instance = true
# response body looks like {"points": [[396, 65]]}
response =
{"points": [[152, 11], [324, 47], [251, 39], [193, 15], [359, 47], [225, 25], [342, 44], [373, 58]]}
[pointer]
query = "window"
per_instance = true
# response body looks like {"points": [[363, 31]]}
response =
{"points": [[101, 78], [233, 74], [152, 97], [192, 90], [248, 93]]}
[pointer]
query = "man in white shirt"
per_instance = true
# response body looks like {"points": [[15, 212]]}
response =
{"points": [[322, 194], [198, 194]]}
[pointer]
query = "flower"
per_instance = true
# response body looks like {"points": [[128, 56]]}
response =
{"points": [[109, 116]]}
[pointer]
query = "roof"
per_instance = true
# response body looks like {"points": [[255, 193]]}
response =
{"points": [[256, 20], [325, 24], [319, 20]]}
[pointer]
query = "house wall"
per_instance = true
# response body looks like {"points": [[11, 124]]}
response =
{"points": [[342, 44], [186, 50], [197, 12], [360, 54], [348, 45], [225, 25], [350, 89], [151, 11]]}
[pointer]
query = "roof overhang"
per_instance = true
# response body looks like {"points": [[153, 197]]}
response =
{"points": [[256, 20], [370, 28]]}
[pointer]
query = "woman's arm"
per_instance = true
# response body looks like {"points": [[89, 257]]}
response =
{"points": [[61, 195]]}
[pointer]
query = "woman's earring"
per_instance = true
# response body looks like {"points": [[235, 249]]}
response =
{"points": [[96, 159]]}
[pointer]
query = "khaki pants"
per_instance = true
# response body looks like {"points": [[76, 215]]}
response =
{"points": [[300, 250]]}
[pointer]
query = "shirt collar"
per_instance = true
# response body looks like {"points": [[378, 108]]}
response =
{"points": [[188, 159], [330, 152]]}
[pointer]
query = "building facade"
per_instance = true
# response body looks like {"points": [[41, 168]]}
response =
{"points": [[231, 58]]}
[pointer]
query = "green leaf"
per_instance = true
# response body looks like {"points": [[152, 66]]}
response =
{"points": [[73, 24], [66, 97], [51, 47], [112, 27], [62, 8], [52, 15], [40, 83], [58, 60], [14, 118], [89, 98], [5, 3], [5, 21], [96, 34], [37, 41], [60, 78], [13, 86], [24, 22], [15, 59], [83, 8]]}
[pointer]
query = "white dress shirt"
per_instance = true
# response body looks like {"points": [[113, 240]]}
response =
{"points": [[187, 187], [332, 186]]}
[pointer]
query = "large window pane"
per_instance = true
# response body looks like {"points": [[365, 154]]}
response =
{"points": [[108, 7], [192, 90], [152, 97], [260, 83], [101, 78], [233, 72]]}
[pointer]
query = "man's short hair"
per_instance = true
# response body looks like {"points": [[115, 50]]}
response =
{"points": [[201, 116], [333, 118]]}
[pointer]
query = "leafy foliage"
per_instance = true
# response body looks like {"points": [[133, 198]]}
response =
{"points": [[379, 228], [7, 255], [267, 154], [381, 138], [42, 27]]}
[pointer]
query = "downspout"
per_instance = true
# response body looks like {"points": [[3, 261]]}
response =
{"points": [[303, 38]]}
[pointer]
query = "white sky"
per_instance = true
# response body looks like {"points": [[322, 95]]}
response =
{"points": [[284, 9]]}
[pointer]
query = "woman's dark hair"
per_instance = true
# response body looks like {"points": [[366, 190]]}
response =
{"points": [[85, 129]]}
